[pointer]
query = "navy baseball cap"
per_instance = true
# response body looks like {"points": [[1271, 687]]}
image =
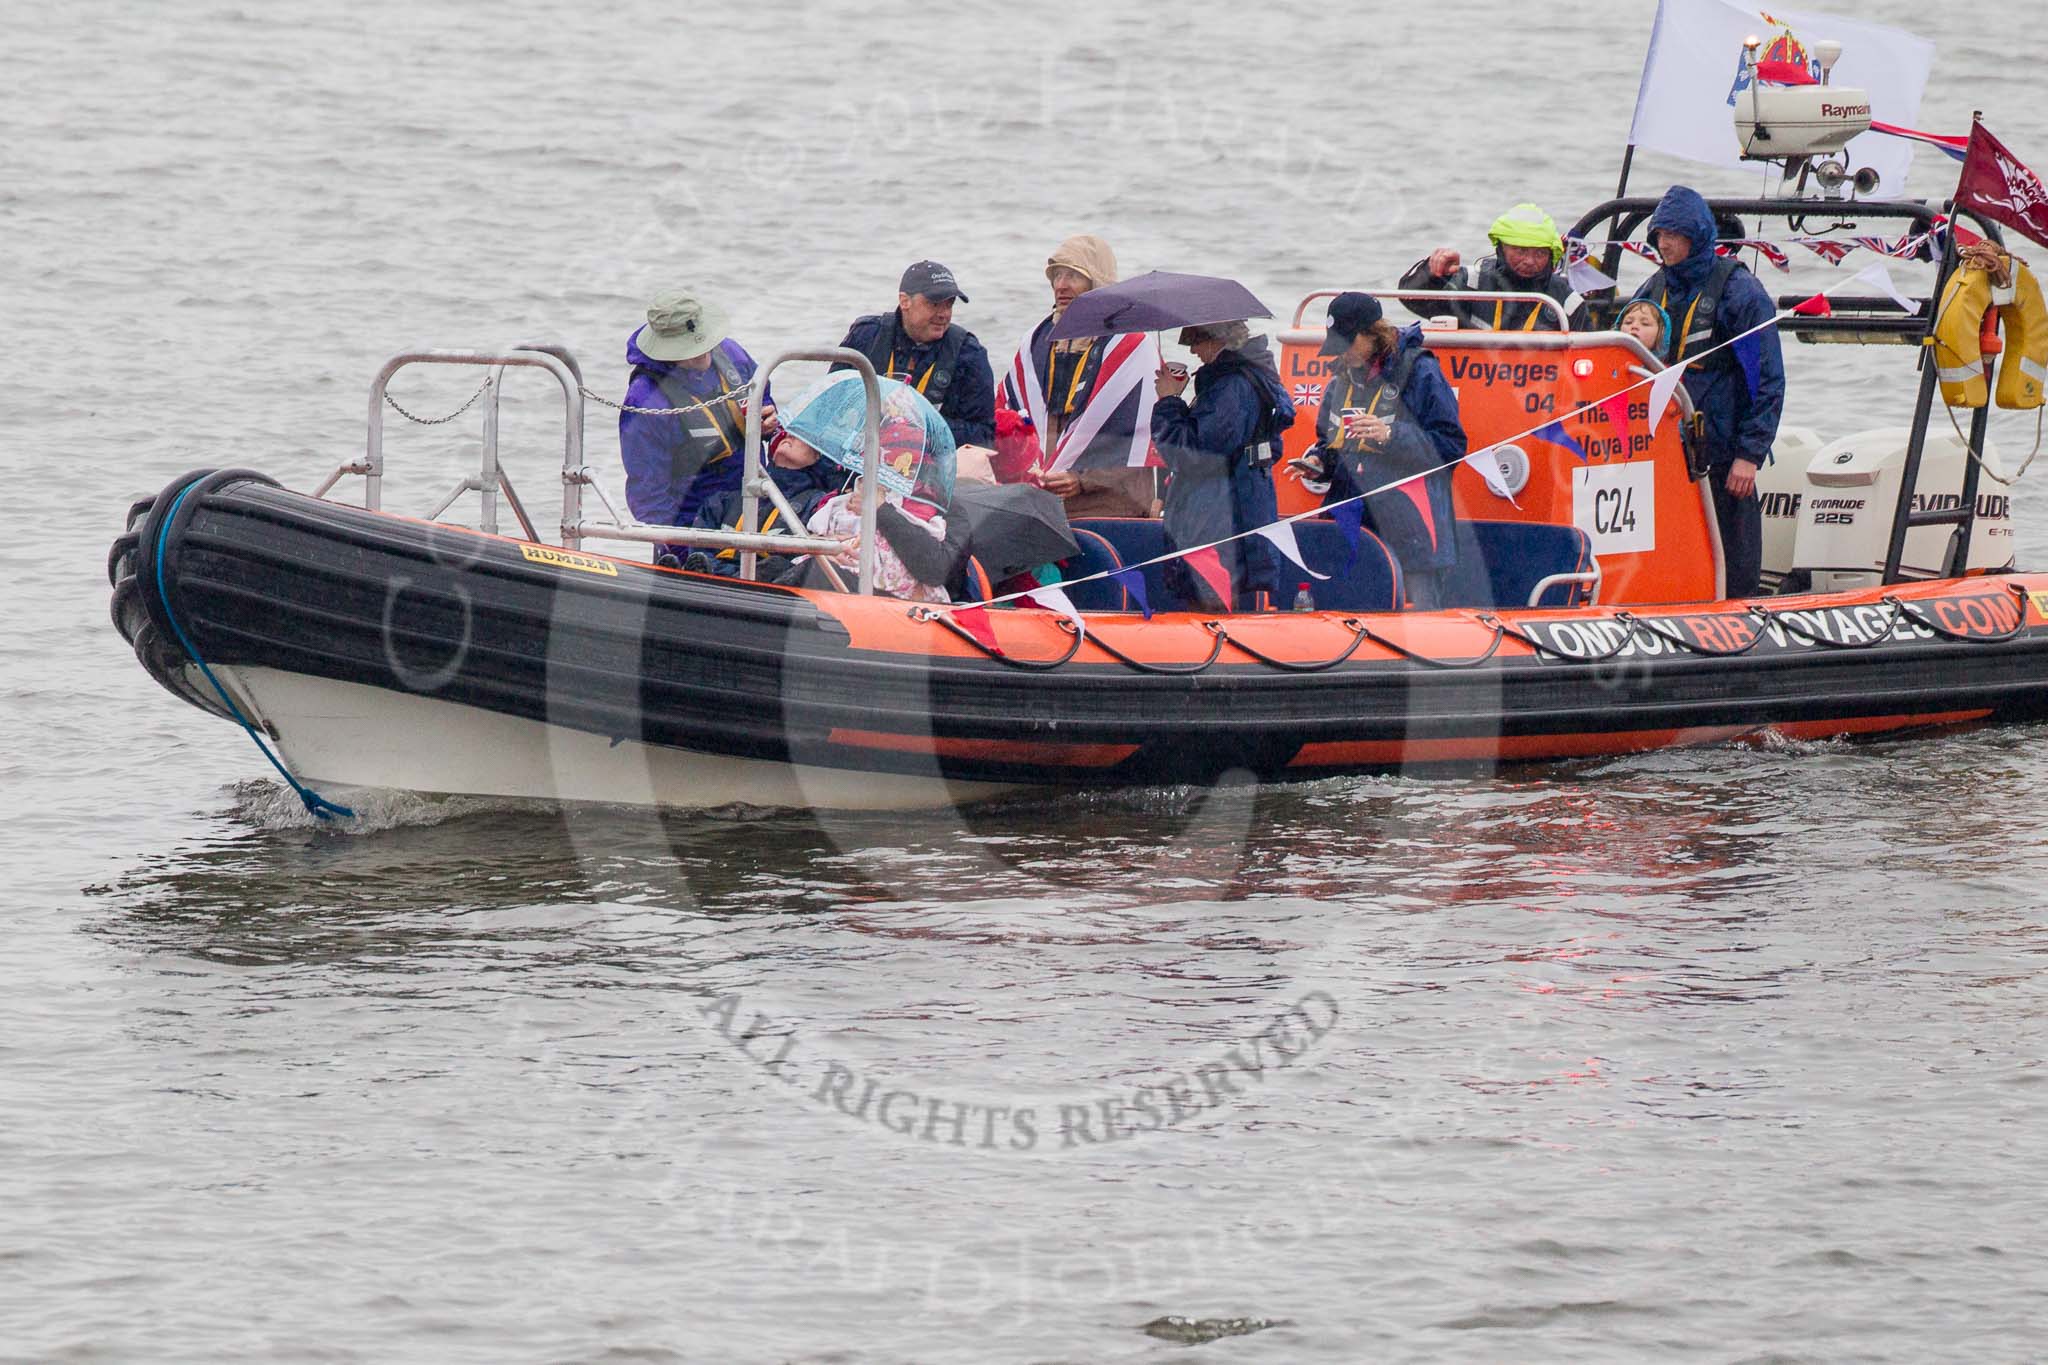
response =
{"points": [[932, 280], [1350, 314]]}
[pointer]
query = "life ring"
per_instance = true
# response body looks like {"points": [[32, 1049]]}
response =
{"points": [[1959, 340]]}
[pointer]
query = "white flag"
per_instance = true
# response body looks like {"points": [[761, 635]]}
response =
{"points": [[1879, 278], [1660, 393], [1281, 533], [1694, 68], [1488, 464], [1055, 600]]}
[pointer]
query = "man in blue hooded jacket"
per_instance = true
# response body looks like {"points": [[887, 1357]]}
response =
{"points": [[1738, 392], [1219, 455]]}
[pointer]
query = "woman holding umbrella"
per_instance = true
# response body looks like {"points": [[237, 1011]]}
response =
{"points": [[1219, 454]]}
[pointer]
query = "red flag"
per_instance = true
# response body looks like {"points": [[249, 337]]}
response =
{"points": [[1996, 185], [1615, 405], [1209, 565], [1815, 307], [1419, 495], [1784, 73], [974, 620]]}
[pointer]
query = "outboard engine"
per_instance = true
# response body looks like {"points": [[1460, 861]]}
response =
{"points": [[1828, 509]]}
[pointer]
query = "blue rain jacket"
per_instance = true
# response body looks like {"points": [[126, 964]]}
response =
{"points": [[969, 403], [1738, 423], [665, 485], [1427, 435], [1219, 460]]}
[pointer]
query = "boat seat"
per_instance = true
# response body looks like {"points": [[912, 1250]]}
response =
{"points": [[1501, 562], [1097, 556], [1371, 582], [1133, 540], [978, 588]]}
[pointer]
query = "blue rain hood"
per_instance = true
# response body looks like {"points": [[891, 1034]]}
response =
{"points": [[1684, 211]]}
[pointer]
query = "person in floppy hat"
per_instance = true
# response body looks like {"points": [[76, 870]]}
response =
{"points": [[676, 461], [921, 345], [1388, 413], [1528, 258]]}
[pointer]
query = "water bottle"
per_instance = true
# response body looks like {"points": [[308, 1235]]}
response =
{"points": [[1303, 599]]}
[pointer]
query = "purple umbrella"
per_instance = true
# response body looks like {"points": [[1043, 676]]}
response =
{"points": [[1157, 302]]}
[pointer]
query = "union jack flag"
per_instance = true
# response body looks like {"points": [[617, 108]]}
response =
{"points": [[1950, 146], [1579, 251], [1770, 251], [1827, 248]]}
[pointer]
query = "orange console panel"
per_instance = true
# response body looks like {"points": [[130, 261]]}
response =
{"points": [[1651, 523]]}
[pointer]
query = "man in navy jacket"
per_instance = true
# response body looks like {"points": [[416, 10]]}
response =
{"points": [[1738, 392]]}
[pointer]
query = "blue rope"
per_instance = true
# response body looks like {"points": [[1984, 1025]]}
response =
{"points": [[319, 805]]}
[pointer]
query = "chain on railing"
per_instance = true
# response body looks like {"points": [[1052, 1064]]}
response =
{"points": [[728, 396], [481, 390]]}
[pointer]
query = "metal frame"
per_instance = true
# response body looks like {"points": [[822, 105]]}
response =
{"points": [[1564, 320], [1861, 321], [1549, 581], [491, 479], [753, 484]]}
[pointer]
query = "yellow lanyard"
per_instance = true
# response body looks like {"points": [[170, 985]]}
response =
{"points": [[1074, 380], [927, 370], [1684, 332], [1372, 409], [1528, 323]]}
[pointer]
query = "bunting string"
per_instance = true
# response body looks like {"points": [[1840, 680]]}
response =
{"points": [[1925, 246]]}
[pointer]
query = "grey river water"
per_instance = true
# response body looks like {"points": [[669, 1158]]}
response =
{"points": [[1732, 1054]]}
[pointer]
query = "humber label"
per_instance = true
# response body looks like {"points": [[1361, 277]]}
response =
{"points": [[568, 559]]}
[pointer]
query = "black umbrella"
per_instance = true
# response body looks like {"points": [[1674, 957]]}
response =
{"points": [[1157, 302], [1013, 526]]}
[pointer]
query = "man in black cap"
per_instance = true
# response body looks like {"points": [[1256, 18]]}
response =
{"points": [[1387, 414], [921, 345]]}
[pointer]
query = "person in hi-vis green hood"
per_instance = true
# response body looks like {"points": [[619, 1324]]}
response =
{"points": [[1528, 258]]}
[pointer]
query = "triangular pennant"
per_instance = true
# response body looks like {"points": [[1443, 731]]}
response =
{"points": [[1209, 565], [1281, 533], [1749, 354], [1587, 278], [1487, 463], [1350, 518], [1615, 405], [974, 620], [1553, 433], [1133, 581], [1816, 307], [1419, 495], [1055, 600], [1661, 389], [1878, 277]]}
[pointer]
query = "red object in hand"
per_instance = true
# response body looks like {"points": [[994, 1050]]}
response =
{"points": [[1017, 448]]}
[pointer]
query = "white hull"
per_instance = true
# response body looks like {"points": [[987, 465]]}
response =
{"points": [[337, 734]]}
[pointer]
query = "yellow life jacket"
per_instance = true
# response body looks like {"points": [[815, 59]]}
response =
{"points": [[2024, 376], [1958, 343]]}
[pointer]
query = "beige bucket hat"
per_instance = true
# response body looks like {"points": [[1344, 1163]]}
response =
{"points": [[681, 326]]}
